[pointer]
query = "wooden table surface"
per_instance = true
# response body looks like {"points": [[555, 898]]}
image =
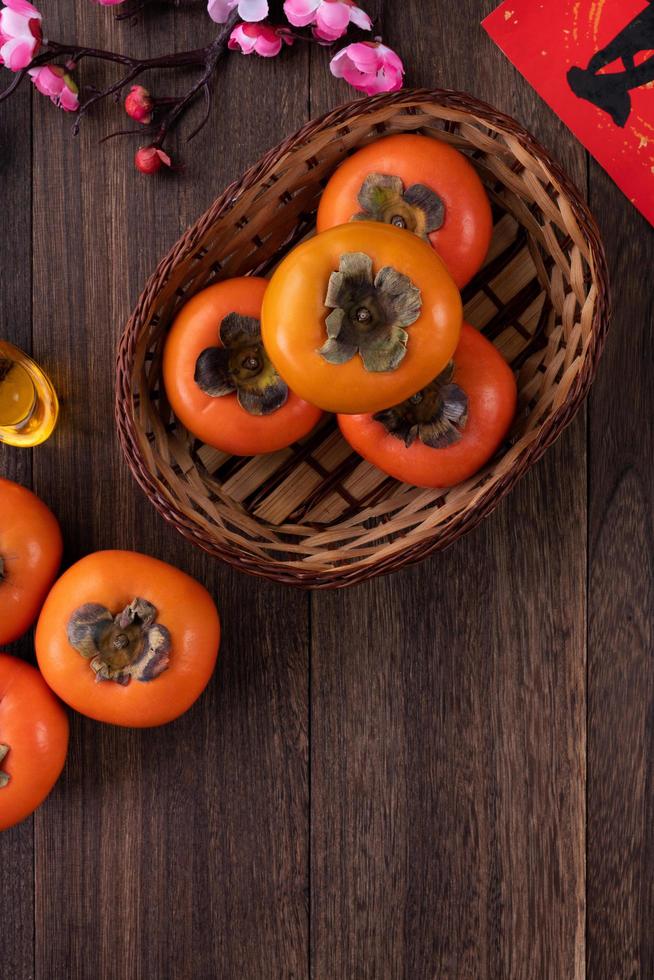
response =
{"points": [[446, 773]]}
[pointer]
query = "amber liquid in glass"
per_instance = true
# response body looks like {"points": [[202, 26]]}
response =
{"points": [[28, 402]]}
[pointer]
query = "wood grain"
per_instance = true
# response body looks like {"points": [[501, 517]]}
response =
{"points": [[17, 844], [382, 783], [621, 642], [448, 702], [180, 852]]}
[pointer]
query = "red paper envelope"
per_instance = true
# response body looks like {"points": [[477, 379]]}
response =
{"points": [[593, 62]]}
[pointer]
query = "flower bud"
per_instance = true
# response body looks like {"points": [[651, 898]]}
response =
{"points": [[139, 105], [149, 159]]}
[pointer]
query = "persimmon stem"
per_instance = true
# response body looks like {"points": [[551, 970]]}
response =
{"points": [[120, 647], [437, 415]]}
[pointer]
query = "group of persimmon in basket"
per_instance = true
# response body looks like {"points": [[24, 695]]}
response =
{"points": [[365, 320]]}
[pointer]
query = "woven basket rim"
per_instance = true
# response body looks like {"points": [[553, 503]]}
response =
{"points": [[284, 572]]}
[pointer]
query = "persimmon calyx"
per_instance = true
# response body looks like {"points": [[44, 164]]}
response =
{"points": [[436, 415], [383, 198], [119, 648], [4, 776], [241, 365], [369, 314]]}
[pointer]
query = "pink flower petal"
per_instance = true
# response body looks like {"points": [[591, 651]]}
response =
{"points": [[301, 13], [260, 38], [364, 56], [23, 8], [17, 53], [269, 47], [47, 81], [219, 10], [14, 25], [333, 17], [360, 18], [340, 63], [327, 34], [68, 100], [391, 59], [241, 40], [381, 82], [253, 10], [357, 79]]}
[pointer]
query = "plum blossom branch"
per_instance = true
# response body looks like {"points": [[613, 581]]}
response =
{"points": [[245, 26], [42, 69]]}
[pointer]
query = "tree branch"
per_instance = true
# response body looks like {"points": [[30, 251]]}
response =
{"points": [[207, 58]]}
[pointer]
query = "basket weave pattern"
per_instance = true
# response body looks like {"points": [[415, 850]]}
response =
{"points": [[315, 514]]}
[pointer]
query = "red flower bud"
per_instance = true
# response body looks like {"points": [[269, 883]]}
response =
{"points": [[139, 105], [149, 159]]}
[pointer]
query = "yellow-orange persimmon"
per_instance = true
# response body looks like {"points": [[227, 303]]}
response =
{"points": [[127, 639], [360, 317]]}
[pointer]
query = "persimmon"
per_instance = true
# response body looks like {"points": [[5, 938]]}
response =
{"points": [[419, 183], [127, 639], [360, 317], [33, 740], [448, 430], [220, 381], [30, 555]]}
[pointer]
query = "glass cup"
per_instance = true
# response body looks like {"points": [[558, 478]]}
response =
{"points": [[28, 402]]}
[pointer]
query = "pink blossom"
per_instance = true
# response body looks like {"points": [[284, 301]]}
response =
{"points": [[149, 159], [369, 66], [139, 105], [258, 38], [53, 81], [249, 10], [331, 18], [20, 34]]}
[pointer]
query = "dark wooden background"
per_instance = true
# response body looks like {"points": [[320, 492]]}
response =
{"points": [[447, 773]]}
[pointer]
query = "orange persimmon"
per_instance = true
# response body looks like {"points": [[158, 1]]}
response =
{"points": [[30, 555], [33, 740], [219, 380], [360, 317], [418, 183], [446, 432], [127, 639]]}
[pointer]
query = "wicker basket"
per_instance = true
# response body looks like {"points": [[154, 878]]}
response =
{"points": [[316, 515]]}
